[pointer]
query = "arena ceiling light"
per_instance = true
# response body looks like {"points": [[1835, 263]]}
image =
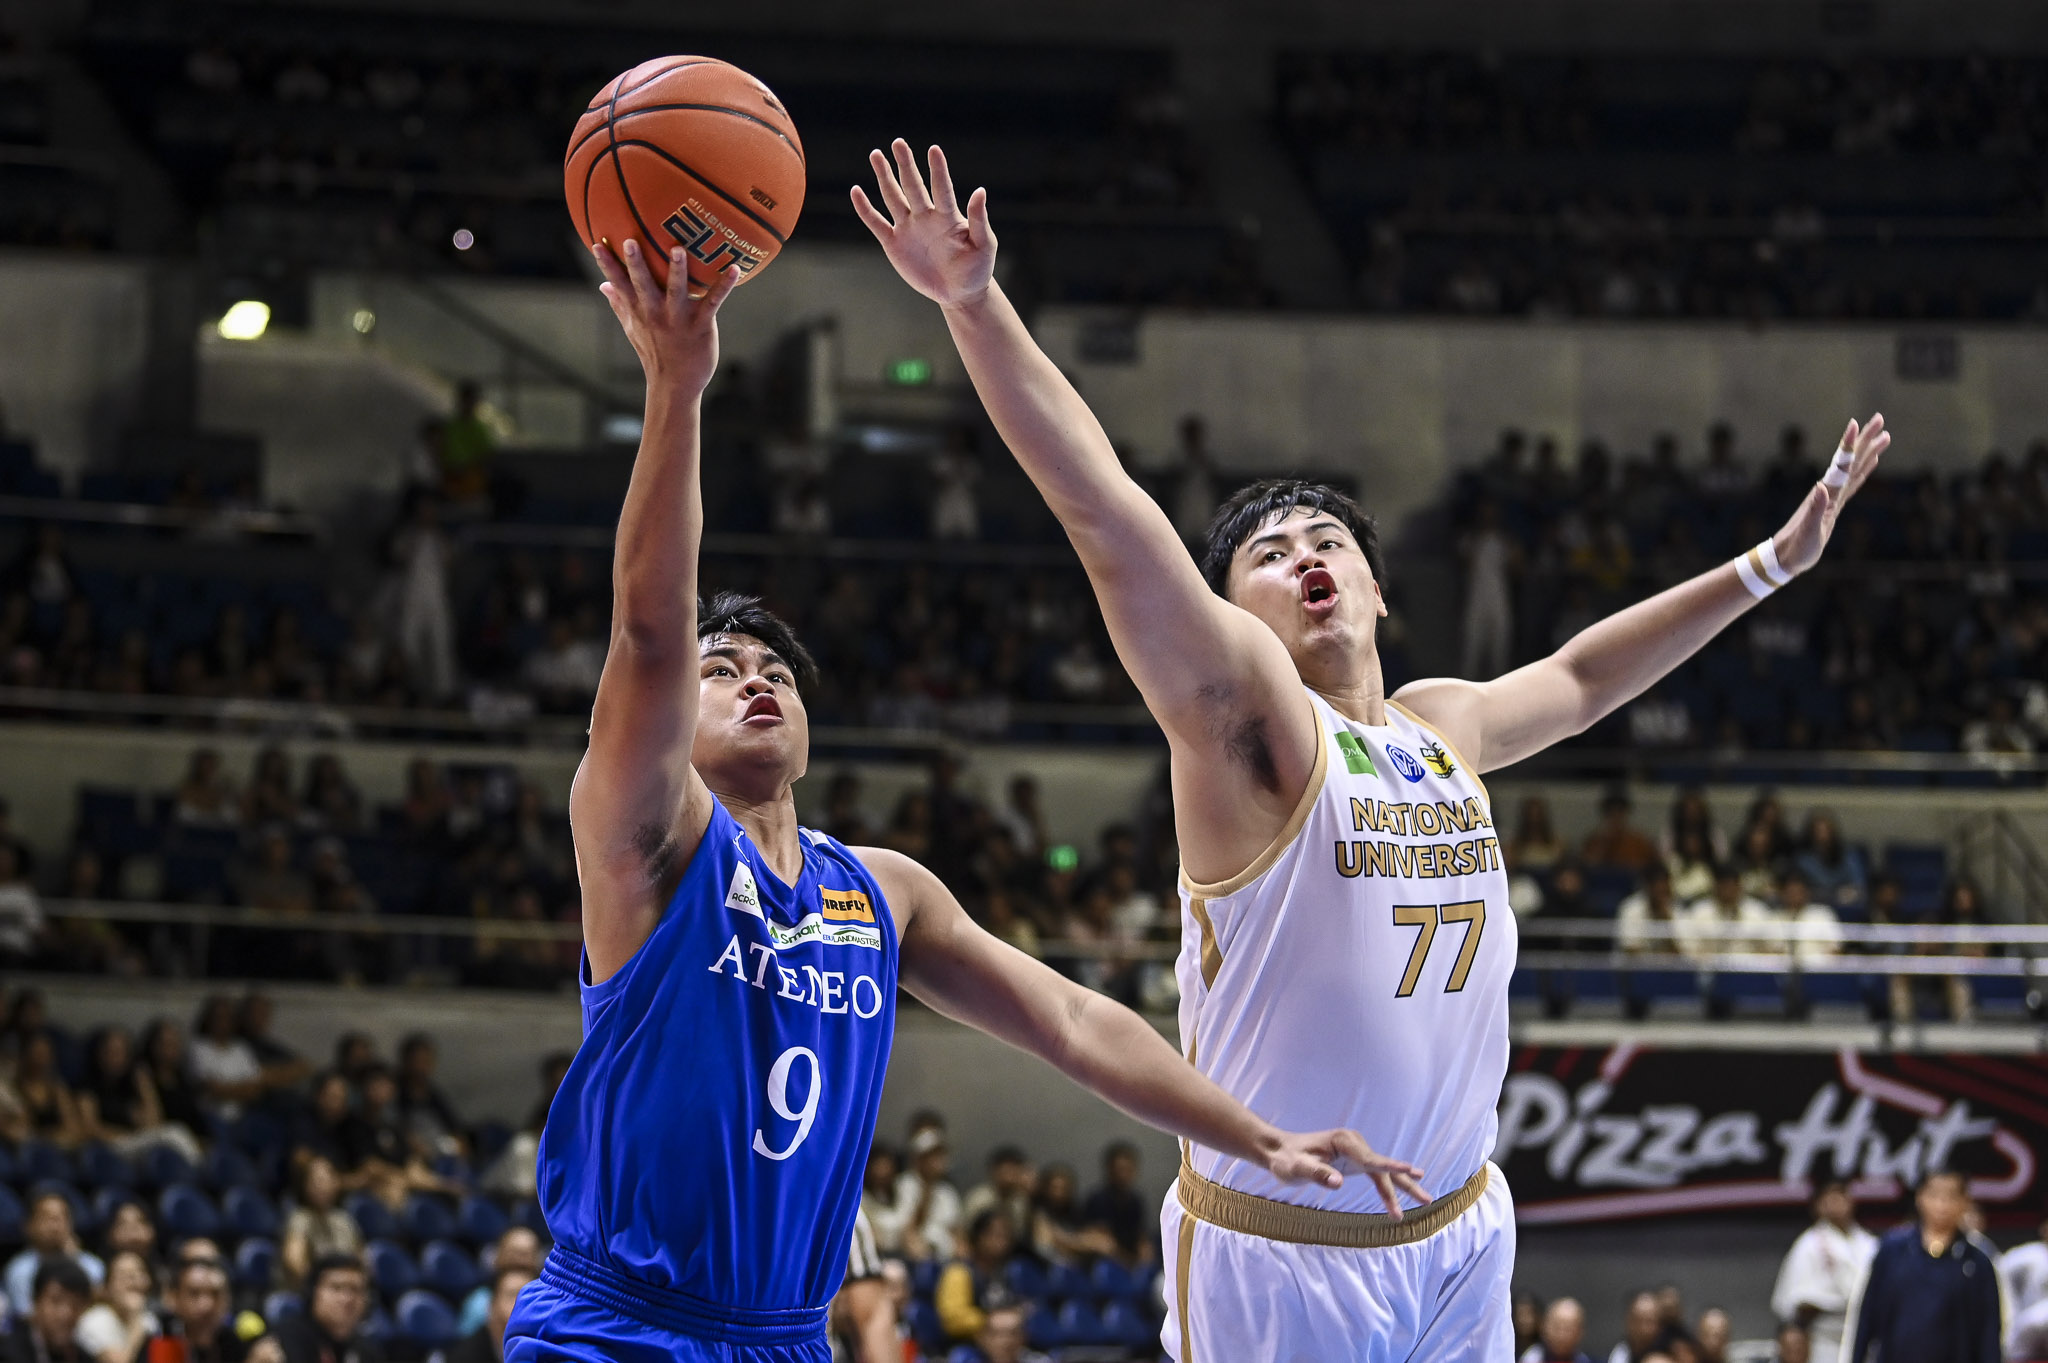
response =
{"points": [[245, 321]]}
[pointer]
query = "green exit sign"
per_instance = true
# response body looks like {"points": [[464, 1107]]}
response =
{"points": [[909, 373]]}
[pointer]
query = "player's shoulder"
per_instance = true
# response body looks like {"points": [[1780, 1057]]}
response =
{"points": [[900, 877], [1449, 705]]}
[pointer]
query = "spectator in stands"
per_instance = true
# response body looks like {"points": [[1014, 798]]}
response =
{"points": [[113, 1330], [1525, 1315], [1118, 1208], [319, 1227], [1647, 920], [1692, 867], [224, 1066], [118, 1102], [1711, 924], [1615, 843], [513, 1172], [48, 1330], [1643, 1331], [1794, 1345], [205, 796], [322, 1128], [1713, 1335], [565, 672], [1815, 932], [1997, 735], [926, 1206], [24, 932], [486, 1343], [131, 1230], [43, 573], [1001, 1340], [971, 1286], [467, 447], [1757, 861], [878, 1197], [1690, 813], [2023, 1272], [269, 799], [376, 1151], [1962, 906], [954, 472], [283, 1068], [518, 1249], [332, 804], [163, 1055], [330, 1330], [51, 1106], [425, 625], [1194, 493], [1561, 1336], [1835, 873], [199, 1318], [51, 1239], [1929, 1294], [428, 1118], [1006, 1190], [1535, 846], [1491, 558], [1059, 1234]]}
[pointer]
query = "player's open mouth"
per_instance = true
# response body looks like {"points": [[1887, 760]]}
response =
{"points": [[1318, 590], [763, 710]]}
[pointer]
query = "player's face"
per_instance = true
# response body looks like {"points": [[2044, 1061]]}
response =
{"points": [[1304, 574], [750, 719]]}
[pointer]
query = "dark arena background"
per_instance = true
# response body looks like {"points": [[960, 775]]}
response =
{"points": [[314, 429]]}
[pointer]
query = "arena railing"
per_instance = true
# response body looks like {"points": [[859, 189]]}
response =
{"points": [[222, 524]]}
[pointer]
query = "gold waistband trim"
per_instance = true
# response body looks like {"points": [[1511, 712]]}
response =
{"points": [[1249, 1214]]}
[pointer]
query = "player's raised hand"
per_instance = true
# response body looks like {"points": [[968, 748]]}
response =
{"points": [[946, 254], [1800, 543], [675, 335], [1314, 1157]]}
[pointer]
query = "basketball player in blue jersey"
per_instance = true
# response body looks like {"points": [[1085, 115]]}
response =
{"points": [[1340, 879], [700, 1168]]}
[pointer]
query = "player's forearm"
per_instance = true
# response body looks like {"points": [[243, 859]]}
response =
{"points": [[654, 564], [1055, 438], [1117, 1055]]}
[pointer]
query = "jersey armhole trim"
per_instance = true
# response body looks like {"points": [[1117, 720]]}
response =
{"points": [[1286, 836], [1470, 770]]}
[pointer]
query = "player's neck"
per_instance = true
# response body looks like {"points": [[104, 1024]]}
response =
{"points": [[771, 823], [1358, 694]]}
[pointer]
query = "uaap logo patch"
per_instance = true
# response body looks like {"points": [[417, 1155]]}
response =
{"points": [[1404, 762], [1437, 760]]}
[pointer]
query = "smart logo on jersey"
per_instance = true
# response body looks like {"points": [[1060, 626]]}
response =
{"points": [[846, 906], [1437, 760], [1404, 762], [1357, 760]]}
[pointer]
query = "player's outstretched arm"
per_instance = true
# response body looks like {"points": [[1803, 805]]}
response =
{"points": [[1500, 722], [1188, 651], [637, 807], [951, 964]]}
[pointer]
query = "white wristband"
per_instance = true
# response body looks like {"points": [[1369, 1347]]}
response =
{"points": [[1837, 475], [1760, 570]]}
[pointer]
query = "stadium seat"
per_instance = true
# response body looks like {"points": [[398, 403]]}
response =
{"points": [[1080, 1322], [924, 1276], [183, 1211], [377, 1327], [226, 1167], [255, 1263], [280, 1306], [1025, 1278], [41, 1162], [161, 1166], [480, 1220], [100, 1166], [447, 1268], [248, 1211], [391, 1268], [528, 1214], [423, 1319], [1123, 1323], [12, 1214], [373, 1216], [921, 1319], [1108, 1278], [1064, 1280], [491, 1140], [1042, 1327], [426, 1218], [454, 1168]]}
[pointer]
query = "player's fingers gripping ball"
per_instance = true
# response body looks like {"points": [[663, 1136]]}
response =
{"points": [[687, 152]]}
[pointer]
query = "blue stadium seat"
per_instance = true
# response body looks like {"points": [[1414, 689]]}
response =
{"points": [[921, 1318], [480, 1220], [42, 1162], [182, 1211], [255, 1263], [491, 1140], [248, 1211], [100, 1166], [423, 1319], [426, 1218], [1042, 1327], [1064, 1280], [12, 1214], [528, 1214], [1123, 1323], [452, 1167], [1108, 1278], [9, 1170], [279, 1306], [924, 1277], [377, 1327], [391, 1268], [1025, 1278], [373, 1216], [447, 1268], [226, 1167], [1833, 987], [1080, 1322], [161, 1166]]}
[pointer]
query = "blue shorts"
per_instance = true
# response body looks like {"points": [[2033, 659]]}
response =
{"points": [[555, 1323]]}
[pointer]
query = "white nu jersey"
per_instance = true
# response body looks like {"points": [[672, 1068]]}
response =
{"points": [[1356, 974]]}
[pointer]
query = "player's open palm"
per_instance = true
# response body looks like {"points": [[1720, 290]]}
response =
{"points": [[1319, 1157], [675, 335], [946, 254], [1806, 534]]}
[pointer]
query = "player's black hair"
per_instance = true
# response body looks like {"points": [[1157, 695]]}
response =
{"points": [[738, 613], [1251, 507]]}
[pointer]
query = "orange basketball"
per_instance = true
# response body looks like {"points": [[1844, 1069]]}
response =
{"points": [[690, 152]]}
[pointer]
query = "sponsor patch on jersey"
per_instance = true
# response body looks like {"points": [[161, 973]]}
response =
{"points": [[1404, 762], [846, 906], [1437, 760], [743, 895], [1357, 760]]}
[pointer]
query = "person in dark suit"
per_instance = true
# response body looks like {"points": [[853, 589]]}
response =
{"points": [[337, 1301], [1930, 1295], [48, 1334]]}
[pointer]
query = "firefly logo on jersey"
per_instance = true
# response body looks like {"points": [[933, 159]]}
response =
{"points": [[1437, 760], [1404, 762], [846, 906]]}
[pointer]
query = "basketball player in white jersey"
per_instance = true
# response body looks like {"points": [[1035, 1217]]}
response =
{"points": [[1347, 940]]}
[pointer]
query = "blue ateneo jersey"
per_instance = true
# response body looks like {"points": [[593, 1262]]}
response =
{"points": [[709, 1139]]}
